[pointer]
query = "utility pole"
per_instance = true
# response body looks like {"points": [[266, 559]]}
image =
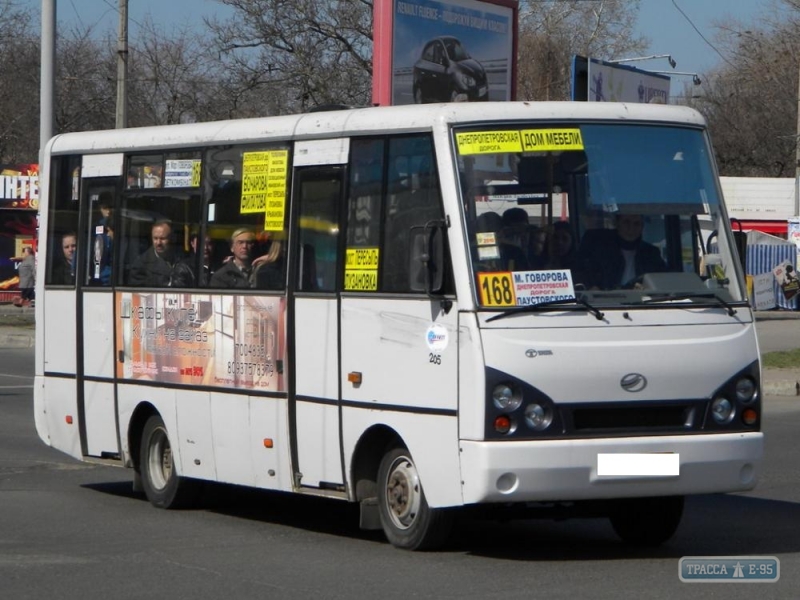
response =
{"points": [[48, 74], [797, 154], [122, 66]]}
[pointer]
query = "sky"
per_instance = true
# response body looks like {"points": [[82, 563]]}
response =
{"points": [[669, 31]]}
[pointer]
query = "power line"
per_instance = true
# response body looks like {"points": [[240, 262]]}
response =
{"points": [[700, 33]]}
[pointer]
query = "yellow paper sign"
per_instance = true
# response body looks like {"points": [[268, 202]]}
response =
{"points": [[361, 269], [547, 140], [488, 142]]}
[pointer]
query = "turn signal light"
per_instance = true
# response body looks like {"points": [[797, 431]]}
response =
{"points": [[749, 416], [502, 424], [68, 419]]}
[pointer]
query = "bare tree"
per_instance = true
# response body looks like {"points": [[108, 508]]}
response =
{"points": [[86, 82], [303, 53], [750, 101], [19, 93], [552, 32]]}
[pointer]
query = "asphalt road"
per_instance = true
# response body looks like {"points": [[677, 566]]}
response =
{"points": [[778, 334], [76, 530]]}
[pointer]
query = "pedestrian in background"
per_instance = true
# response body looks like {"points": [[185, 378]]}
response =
{"points": [[27, 276]]}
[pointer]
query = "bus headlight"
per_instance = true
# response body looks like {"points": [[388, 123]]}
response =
{"points": [[722, 410], [538, 417], [506, 398], [746, 390]]}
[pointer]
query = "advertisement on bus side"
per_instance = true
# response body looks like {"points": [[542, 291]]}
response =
{"points": [[202, 340]]}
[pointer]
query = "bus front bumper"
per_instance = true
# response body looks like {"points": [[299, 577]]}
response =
{"points": [[567, 470]]}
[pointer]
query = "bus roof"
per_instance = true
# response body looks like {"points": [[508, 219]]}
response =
{"points": [[356, 121]]}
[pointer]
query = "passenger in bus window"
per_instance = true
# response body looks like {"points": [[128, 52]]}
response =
{"points": [[183, 274], [560, 246], [268, 269], [237, 272], [100, 269], [615, 259], [64, 269], [153, 268]]}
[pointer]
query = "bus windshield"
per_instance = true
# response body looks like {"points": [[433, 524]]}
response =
{"points": [[615, 214]]}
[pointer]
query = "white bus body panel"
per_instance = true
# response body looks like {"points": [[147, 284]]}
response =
{"points": [[194, 434], [271, 466], [101, 425], [431, 439], [240, 424], [580, 359], [403, 385], [317, 373], [552, 470], [55, 399], [229, 422], [98, 361], [59, 324], [684, 354], [98, 335]]}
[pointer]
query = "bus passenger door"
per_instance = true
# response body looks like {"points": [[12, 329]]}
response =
{"points": [[95, 308], [314, 347]]}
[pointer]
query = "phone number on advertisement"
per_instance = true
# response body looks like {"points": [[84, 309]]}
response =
{"points": [[249, 368]]}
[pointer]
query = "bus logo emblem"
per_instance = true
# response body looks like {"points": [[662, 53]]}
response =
{"points": [[633, 382]]}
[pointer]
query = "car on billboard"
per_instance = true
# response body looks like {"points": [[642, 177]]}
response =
{"points": [[445, 72]]}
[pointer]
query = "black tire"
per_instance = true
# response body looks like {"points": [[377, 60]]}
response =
{"points": [[647, 521], [160, 481], [407, 520]]}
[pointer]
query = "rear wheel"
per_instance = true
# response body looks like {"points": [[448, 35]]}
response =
{"points": [[647, 521], [159, 479], [406, 518]]}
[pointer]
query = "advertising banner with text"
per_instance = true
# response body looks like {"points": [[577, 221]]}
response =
{"points": [[202, 340]]}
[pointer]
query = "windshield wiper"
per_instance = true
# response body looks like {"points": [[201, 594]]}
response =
{"points": [[517, 310], [669, 296]]}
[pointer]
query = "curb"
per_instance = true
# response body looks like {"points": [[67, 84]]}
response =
{"points": [[781, 387], [16, 340]]}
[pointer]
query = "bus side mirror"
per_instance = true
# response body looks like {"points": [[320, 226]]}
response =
{"points": [[426, 258]]}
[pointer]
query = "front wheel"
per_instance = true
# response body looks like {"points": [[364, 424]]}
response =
{"points": [[159, 479], [406, 518], [647, 521]]}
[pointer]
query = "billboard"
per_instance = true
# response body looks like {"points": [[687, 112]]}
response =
{"points": [[444, 51], [19, 186], [599, 81]]}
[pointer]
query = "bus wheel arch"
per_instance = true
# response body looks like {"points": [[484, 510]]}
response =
{"points": [[367, 459], [135, 428], [157, 473], [405, 516]]}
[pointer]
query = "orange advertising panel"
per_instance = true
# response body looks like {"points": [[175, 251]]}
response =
{"points": [[202, 340]]}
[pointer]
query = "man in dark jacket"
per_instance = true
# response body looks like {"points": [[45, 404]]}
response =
{"points": [[153, 268], [617, 259], [184, 273], [236, 273]]}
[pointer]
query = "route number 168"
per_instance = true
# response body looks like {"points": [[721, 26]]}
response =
{"points": [[496, 289]]}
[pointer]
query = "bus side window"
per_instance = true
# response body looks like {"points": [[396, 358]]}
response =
{"points": [[413, 206], [62, 251]]}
